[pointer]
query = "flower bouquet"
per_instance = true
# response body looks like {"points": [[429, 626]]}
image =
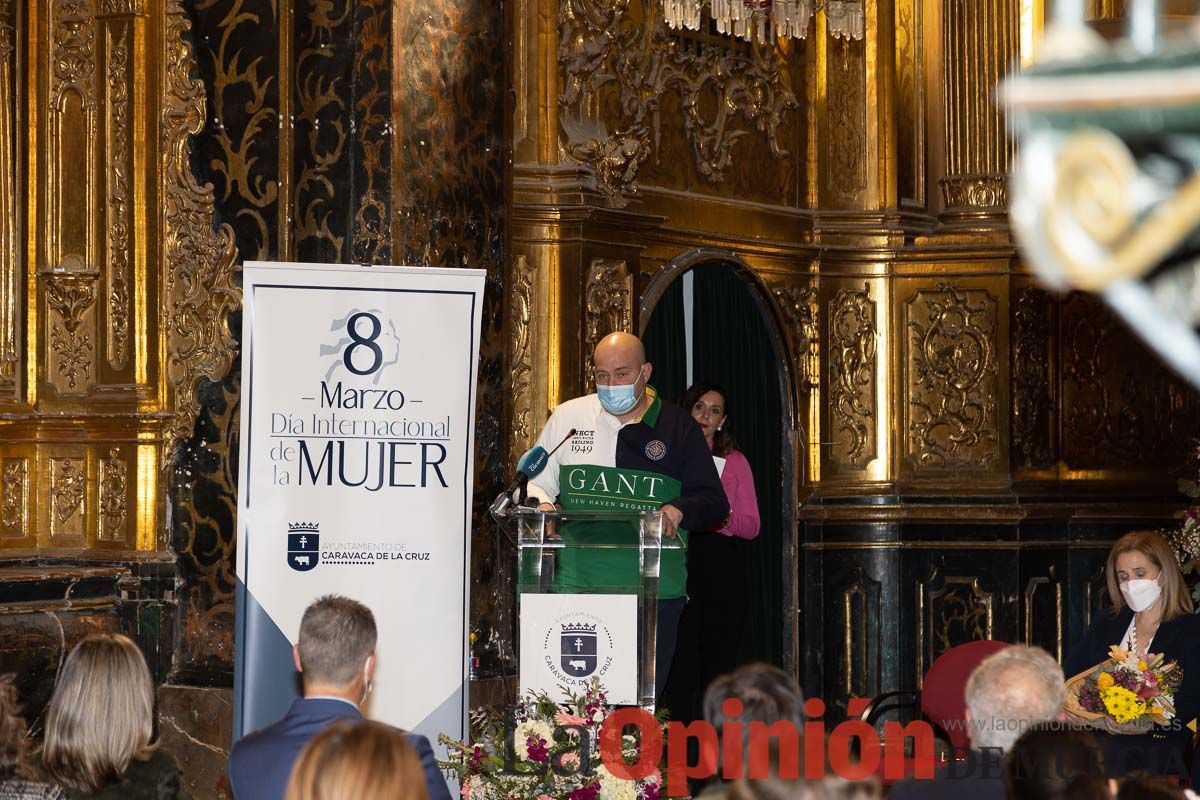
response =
{"points": [[541, 750], [1126, 689]]}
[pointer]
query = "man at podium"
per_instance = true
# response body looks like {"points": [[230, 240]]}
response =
{"points": [[630, 452]]}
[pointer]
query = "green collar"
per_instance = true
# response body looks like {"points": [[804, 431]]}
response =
{"points": [[651, 415]]}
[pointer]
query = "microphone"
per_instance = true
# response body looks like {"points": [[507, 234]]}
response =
{"points": [[530, 465]]}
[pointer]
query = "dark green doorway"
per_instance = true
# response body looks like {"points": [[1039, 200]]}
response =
{"points": [[734, 343]]}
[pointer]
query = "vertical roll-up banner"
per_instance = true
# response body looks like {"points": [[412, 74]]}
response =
{"points": [[355, 478]]}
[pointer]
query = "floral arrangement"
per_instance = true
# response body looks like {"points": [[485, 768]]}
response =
{"points": [[1129, 689], [1186, 538], [541, 750]]}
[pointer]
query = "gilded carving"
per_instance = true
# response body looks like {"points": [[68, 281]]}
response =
{"points": [[608, 296], [69, 295], [980, 43], [846, 175], [74, 51], [520, 354], [975, 191], [958, 610], [1032, 380], [852, 337], [799, 307], [600, 42], [197, 263], [14, 497], [952, 383], [121, 7], [320, 123], [114, 493], [68, 483], [10, 203], [119, 216]]}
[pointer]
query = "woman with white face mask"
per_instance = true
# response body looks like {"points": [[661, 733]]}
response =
{"points": [[1151, 613]]}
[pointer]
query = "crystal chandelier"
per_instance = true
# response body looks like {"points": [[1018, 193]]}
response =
{"points": [[768, 19]]}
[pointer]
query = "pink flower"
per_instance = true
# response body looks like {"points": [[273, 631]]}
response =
{"points": [[570, 759], [545, 797], [466, 787], [563, 718]]}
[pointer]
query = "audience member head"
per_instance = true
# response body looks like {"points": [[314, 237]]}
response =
{"points": [[709, 406], [336, 652], [13, 734], [756, 693], [1009, 691], [1054, 761], [357, 760], [1149, 787], [1147, 557], [101, 715]]}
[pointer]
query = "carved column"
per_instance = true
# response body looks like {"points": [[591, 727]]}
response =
{"points": [[980, 43]]}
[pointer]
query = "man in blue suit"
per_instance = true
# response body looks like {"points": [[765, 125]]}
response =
{"points": [[336, 659]]}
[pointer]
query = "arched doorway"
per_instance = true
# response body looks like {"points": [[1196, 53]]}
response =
{"points": [[713, 304]]}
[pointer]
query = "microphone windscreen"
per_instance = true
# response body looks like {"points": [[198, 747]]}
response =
{"points": [[533, 462]]}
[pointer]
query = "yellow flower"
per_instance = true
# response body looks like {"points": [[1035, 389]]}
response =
{"points": [[1105, 681], [1117, 653], [1142, 666], [1122, 704]]}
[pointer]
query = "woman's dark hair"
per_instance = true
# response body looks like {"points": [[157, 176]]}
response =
{"points": [[1149, 787], [723, 441], [13, 736], [1053, 760]]}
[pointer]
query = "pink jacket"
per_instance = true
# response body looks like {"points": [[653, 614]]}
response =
{"points": [[743, 502]]}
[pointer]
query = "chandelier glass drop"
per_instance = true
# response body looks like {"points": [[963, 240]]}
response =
{"points": [[768, 19]]}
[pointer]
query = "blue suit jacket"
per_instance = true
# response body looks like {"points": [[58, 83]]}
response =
{"points": [[261, 762]]}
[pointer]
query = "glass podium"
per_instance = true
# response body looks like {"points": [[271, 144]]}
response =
{"points": [[587, 597]]}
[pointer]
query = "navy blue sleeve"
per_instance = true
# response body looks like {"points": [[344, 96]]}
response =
{"points": [[701, 496], [435, 781]]}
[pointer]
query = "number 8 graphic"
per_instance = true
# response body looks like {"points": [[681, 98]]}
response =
{"points": [[358, 341]]}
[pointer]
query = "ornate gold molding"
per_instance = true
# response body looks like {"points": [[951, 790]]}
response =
{"points": [[852, 368], [608, 298], [952, 382], [71, 351], [14, 498], [861, 677], [117, 186], [68, 487], [114, 493], [520, 354], [197, 262], [608, 53], [10, 202], [846, 174], [800, 310], [975, 191]]}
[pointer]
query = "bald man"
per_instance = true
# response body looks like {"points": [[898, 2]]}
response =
{"points": [[630, 452]]}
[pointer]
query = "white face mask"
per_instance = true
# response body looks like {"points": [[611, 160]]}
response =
{"points": [[1141, 593]]}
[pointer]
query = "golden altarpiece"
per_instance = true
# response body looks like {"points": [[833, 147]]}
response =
{"points": [[960, 444]]}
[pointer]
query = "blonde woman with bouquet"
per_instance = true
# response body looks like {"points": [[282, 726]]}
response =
{"points": [[1135, 676]]}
